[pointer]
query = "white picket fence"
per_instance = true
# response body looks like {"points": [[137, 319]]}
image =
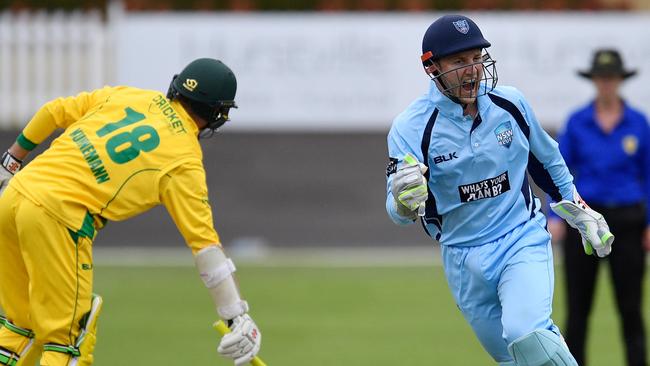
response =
{"points": [[47, 55]]}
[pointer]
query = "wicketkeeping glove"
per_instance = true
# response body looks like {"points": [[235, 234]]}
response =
{"points": [[591, 225], [10, 166], [409, 186], [243, 343]]}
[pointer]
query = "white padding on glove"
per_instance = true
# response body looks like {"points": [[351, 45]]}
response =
{"points": [[592, 226], [243, 343], [409, 187]]}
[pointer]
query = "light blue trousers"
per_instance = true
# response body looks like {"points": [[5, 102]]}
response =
{"points": [[504, 288]]}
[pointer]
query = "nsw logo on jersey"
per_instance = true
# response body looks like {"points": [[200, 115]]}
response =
{"points": [[487, 188], [504, 134]]}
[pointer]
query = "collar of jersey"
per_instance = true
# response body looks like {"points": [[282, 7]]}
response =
{"points": [[450, 108], [187, 120]]}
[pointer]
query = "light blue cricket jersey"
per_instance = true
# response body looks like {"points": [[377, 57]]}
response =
{"points": [[478, 187]]}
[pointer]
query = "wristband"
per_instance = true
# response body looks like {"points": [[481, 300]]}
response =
{"points": [[11, 163]]}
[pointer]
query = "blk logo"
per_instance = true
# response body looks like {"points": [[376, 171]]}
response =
{"points": [[442, 158]]}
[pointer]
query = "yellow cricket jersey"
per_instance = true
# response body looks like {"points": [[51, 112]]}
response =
{"points": [[124, 150]]}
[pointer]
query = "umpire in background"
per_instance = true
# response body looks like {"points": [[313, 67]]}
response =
{"points": [[606, 145]]}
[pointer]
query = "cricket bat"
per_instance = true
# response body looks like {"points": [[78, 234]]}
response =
{"points": [[222, 328]]}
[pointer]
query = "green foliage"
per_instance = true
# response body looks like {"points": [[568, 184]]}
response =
{"points": [[309, 316]]}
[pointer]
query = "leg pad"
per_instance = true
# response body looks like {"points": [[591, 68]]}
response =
{"points": [[14, 342], [81, 353], [541, 348], [88, 337]]}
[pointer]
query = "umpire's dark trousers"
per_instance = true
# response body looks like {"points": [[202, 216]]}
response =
{"points": [[627, 268]]}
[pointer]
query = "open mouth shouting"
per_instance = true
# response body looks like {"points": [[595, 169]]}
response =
{"points": [[468, 87]]}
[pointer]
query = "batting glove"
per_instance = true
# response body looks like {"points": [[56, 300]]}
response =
{"points": [[592, 226], [243, 343], [409, 187], [10, 166]]}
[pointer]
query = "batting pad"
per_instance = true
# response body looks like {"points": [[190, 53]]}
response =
{"points": [[541, 348]]}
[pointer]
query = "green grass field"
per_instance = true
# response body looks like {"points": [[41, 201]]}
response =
{"points": [[310, 316]]}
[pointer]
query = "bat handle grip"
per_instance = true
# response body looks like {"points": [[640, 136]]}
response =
{"points": [[223, 329]]}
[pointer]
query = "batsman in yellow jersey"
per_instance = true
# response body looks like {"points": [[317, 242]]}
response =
{"points": [[123, 151]]}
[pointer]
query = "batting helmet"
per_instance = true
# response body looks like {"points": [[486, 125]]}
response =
{"points": [[451, 34], [209, 86]]}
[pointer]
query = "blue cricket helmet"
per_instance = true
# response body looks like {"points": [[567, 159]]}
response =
{"points": [[451, 34]]}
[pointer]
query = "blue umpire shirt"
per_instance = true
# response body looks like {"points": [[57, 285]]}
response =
{"points": [[477, 182], [611, 169]]}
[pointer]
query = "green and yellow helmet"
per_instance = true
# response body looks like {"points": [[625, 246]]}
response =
{"points": [[209, 86]]}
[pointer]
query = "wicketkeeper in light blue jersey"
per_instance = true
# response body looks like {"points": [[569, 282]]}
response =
{"points": [[459, 158]]}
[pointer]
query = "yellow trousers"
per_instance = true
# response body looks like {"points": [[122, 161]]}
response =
{"points": [[46, 276]]}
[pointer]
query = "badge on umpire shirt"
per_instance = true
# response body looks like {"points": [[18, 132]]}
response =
{"points": [[630, 144]]}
